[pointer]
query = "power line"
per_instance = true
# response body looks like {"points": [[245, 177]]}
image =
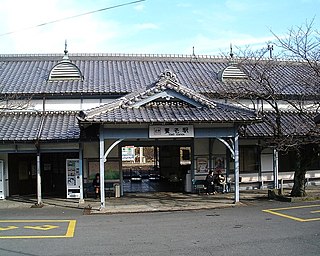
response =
{"points": [[72, 17]]}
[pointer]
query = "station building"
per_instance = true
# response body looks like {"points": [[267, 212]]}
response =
{"points": [[65, 118]]}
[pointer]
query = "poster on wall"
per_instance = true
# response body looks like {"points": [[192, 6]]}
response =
{"points": [[73, 178], [219, 164], [128, 153], [202, 165]]}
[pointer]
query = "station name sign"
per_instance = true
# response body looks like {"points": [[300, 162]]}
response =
{"points": [[171, 131]]}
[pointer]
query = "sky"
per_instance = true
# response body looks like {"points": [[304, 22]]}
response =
{"points": [[149, 26]]}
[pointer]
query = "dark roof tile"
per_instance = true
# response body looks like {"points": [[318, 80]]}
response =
{"points": [[292, 123], [27, 74], [26, 126], [169, 113]]}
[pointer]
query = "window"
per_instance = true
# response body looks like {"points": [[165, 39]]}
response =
{"points": [[248, 157]]}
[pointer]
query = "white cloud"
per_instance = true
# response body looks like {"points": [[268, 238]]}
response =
{"points": [[84, 34], [139, 7], [143, 32]]}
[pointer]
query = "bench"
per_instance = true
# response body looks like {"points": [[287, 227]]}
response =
{"points": [[245, 182], [109, 189], [200, 186], [89, 190]]}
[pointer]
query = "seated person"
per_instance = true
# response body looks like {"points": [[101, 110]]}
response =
{"points": [[210, 183], [96, 185], [220, 180]]}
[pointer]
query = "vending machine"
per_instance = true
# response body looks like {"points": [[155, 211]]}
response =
{"points": [[74, 184]]}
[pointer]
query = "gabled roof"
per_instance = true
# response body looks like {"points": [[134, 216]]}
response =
{"points": [[166, 101], [32, 126]]}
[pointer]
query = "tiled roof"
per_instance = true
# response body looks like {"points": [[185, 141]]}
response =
{"points": [[167, 101], [107, 74], [30, 126], [172, 113], [292, 123]]}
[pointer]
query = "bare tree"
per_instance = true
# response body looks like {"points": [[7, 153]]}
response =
{"points": [[302, 43], [293, 82], [13, 103]]}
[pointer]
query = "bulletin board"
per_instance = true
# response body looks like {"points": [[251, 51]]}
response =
{"points": [[111, 169]]}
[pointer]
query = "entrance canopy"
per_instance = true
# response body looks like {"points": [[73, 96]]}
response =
{"points": [[166, 109]]}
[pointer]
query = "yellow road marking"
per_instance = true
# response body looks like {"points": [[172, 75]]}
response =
{"points": [[69, 233], [43, 227], [295, 207], [71, 228], [275, 212], [8, 228], [283, 215], [32, 221]]}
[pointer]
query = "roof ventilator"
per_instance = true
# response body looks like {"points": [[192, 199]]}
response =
{"points": [[65, 69]]}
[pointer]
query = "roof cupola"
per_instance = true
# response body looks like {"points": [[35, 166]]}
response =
{"points": [[65, 69]]}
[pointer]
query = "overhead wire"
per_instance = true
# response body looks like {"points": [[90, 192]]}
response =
{"points": [[72, 17]]}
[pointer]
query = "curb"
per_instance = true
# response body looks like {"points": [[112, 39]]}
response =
{"points": [[274, 194], [155, 210]]}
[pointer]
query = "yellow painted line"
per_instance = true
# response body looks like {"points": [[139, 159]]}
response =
{"points": [[31, 237], [71, 228], [7, 228], [283, 215], [32, 221], [69, 233], [295, 207], [43, 227], [275, 212], [315, 211]]}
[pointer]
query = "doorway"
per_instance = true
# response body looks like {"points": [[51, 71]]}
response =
{"points": [[23, 173], [158, 168]]}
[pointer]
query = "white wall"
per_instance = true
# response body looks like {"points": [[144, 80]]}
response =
{"points": [[56, 104], [4, 158], [84, 104]]}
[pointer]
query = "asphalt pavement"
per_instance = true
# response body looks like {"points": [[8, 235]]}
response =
{"points": [[152, 202]]}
